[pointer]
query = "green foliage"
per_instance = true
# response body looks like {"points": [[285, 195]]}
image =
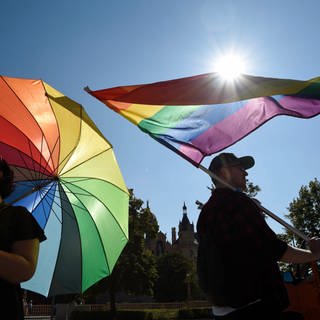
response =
{"points": [[174, 277], [252, 190], [304, 211], [137, 266], [304, 215]]}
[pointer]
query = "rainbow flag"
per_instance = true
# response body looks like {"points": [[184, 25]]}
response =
{"points": [[201, 115]]}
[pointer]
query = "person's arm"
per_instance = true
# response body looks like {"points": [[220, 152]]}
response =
{"points": [[20, 264], [296, 255]]}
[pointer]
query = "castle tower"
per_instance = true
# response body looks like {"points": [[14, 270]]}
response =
{"points": [[186, 243], [185, 224], [173, 235]]}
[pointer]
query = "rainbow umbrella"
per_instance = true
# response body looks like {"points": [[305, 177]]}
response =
{"points": [[67, 176]]}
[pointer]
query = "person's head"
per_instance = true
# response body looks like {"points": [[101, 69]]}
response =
{"points": [[231, 169], [6, 179]]}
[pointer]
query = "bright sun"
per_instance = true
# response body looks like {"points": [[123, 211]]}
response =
{"points": [[230, 66]]}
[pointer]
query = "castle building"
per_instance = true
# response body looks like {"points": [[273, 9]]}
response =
{"points": [[185, 242]]}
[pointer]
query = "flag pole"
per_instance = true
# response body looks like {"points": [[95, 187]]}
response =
{"points": [[266, 211]]}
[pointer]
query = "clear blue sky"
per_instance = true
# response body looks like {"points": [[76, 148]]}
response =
{"points": [[106, 43]]}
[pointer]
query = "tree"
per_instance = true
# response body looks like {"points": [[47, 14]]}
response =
{"points": [[304, 214], [175, 275], [252, 190], [304, 211]]}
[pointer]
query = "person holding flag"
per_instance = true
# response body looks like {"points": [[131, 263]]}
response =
{"points": [[238, 252]]}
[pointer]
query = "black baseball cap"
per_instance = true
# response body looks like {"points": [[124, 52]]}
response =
{"points": [[229, 159]]}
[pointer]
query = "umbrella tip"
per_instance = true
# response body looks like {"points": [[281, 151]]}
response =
{"points": [[86, 88]]}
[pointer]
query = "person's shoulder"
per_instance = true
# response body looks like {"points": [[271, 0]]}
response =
{"points": [[16, 209], [17, 212], [24, 219], [227, 193], [221, 195], [223, 192], [214, 203]]}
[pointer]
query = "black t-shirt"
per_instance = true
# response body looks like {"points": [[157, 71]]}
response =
{"points": [[16, 223]]}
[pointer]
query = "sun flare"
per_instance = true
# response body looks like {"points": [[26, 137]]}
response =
{"points": [[230, 66]]}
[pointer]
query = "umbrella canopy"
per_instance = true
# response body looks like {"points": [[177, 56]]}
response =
{"points": [[67, 176], [204, 114]]}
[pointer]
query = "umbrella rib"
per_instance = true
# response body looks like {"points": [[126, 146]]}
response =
{"points": [[21, 152], [91, 194], [51, 153], [86, 193], [55, 169], [74, 193], [37, 175], [53, 197], [21, 171], [63, 160], [46, 164], [104, 253], [26, 166], [26, 108], [57, 140], [90, 178], [61, 206], [36, 188], [44, 199], [51, 207], [88, 159], [65, 201], [44, 194], [78, 138]]}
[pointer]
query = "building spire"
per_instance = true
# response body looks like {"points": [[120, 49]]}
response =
{"points": [[184, 208]]}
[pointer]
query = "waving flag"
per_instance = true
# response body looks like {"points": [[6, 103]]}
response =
{"points": [[201, 115]]}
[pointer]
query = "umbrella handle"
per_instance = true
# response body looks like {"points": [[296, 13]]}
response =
{"points": [[266, 211]]}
